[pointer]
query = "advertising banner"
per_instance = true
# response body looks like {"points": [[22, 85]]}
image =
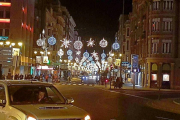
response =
{"points": [[15, 52], [134, 63], [45, 59], [38, 59], [118, 62]]}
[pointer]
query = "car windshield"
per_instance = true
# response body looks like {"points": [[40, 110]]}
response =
{"points": [[28, 94]]}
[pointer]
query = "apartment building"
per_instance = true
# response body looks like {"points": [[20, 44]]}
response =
{"points": [[17, 25], [154, 37]]}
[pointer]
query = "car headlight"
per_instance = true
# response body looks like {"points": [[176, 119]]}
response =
{"points": [[31, 118], [87, 117]]}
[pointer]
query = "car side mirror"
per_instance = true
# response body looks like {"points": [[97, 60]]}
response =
{"points": [[69, 100], [2, 102]]}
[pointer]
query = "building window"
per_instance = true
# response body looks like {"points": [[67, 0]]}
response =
{"points": [[1, 14], [127, 45], [1, 32], [7, 14], [166, 46], [6, 32], [168, 4], [49, 32], [155, 46], [127, 32], [156, 4], [167, 24], [155, 24]]}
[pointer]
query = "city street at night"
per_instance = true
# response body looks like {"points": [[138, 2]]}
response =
{"points": [[109, 59]]}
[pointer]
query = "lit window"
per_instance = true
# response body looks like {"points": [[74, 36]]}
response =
{"points": [[168, 4], [155, 24], [155, 46], [156, 4], [167, 24], [166, 46]]}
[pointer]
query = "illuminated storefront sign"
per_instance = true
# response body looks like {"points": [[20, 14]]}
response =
{"points": [[3, 38], [44, 68], [5, 4]]}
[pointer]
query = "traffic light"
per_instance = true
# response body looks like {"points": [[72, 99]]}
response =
{"points": [[106, 80]]}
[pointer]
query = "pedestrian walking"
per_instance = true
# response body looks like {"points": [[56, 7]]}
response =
{"points": [[46, 77]]}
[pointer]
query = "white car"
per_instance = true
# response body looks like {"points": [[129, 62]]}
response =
{"points": [[19, 100]]}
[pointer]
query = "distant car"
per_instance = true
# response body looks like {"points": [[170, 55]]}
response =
{"points": [[18, 101], [84, 78]]}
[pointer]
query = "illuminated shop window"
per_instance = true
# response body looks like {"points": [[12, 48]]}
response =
{"points": [[165, 77], [154, 77]]}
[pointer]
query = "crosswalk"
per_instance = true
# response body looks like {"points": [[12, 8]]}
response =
{"points": [[76, 84]]}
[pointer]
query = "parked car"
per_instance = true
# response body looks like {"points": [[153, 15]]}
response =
{"points": [[20, 100]]}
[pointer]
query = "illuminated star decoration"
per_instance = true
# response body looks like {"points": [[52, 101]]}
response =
{"points": [[94, 54], [77, 60], [90, 43], [103, 43], [65, 42]]}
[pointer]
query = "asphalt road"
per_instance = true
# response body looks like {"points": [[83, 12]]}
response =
{"points": [[114, 105]]}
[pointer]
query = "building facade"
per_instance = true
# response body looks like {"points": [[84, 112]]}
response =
{"points": [[17, 25]]}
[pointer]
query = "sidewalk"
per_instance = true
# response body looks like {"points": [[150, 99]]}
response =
{"points": [[169, 104]]}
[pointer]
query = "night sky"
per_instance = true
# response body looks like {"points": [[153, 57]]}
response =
{"points": [[97, 18]]}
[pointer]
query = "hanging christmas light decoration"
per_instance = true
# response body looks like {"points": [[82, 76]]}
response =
{"points": [[70, 57], [102, 60], [39, 42], [69, 52], [103, 43], [92, 62], [90, 43], [84, 63], [65, 42], [86, 54], [78, 52], [94, 54], [77, 60], [90, 58], [103, 55], [60, 52], [115, 46], [96, 58], [52, 40], [78, 44]]}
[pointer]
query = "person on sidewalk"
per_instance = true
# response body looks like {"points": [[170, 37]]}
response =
{"points": [[46, 77]]}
